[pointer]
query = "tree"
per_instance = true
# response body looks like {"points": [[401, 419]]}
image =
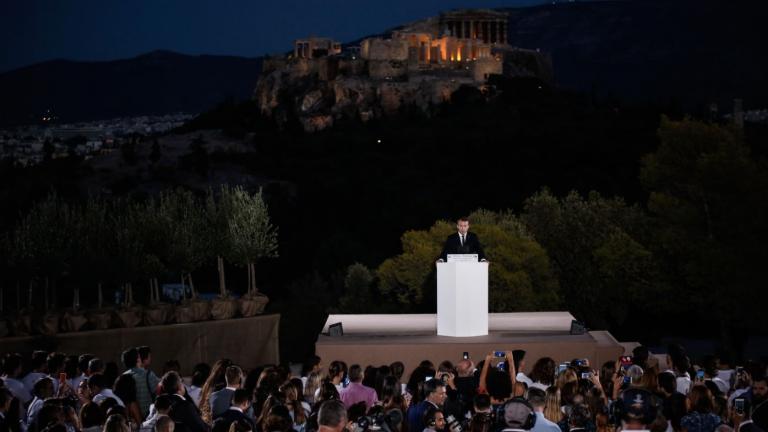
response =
{"points": [[595, 246], [358, 283], [520, 277], [709, 202], [251, 234]]}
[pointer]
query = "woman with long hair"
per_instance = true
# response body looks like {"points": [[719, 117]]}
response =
{"points": [[543, 373], [701, 416], [215, 382], [391, 396], [552, 411], [314, 379], [297, 411]]}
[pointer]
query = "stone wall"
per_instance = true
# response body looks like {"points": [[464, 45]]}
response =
{"points": [[387, 69], [381, 49]]}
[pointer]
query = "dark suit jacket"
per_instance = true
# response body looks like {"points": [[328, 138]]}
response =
{"points": [[186, 416], [471, 246], [222, 422]]}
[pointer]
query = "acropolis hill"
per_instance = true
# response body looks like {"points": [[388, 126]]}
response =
{"points": [[419, 65]]}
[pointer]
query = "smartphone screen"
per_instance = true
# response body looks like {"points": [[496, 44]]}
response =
{"points": [[700, 374], [561, 368], [499, 354], [466, 355], [738, 405]]}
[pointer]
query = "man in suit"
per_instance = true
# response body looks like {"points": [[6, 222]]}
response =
{"points": [[222, 399], [436, 393], [183, 411], [241, 401], [462, 242]]}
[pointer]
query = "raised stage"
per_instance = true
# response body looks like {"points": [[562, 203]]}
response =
{"points": [[382, 339]]}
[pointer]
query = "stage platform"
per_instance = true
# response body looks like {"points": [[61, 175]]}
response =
{"points": [[382, 339]]}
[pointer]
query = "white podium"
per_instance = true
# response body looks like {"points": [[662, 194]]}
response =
{"points": [[462, 298]]}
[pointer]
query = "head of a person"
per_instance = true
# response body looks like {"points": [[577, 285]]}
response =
{"points": [[355, 373], [43, 388], [39, 361], [537, 398], [517, 413], [278, 419], [200, 373], [465, 368], [579, 416], [552, 410], [637, 409], [499, 384], [328, 392], [145, 356], [12, 365], [640, 356], [163, 404], [241, 399], [130, 358], [482, 403], [311, 364], [116, 423], [667, 383], [82, 362], [390, 388], [759, 389], [95, 366], [543, 371], [171, 383], [337, 370], [398, 369], [700, 400], [55, 363], [434, 418], [435, 392], [332, 416], [91, 415], [462, 225], [164, 424], [233, 376], [97, 383]]}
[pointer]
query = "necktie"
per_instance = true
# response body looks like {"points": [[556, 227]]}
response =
{"points": [[462, 240]]}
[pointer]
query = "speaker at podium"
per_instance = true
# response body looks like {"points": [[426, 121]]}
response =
{"points": [[462, 296]]}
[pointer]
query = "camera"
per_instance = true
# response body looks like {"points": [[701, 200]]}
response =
{"points": [[580, 363], [379, 421], [444, 377], [586, 375], [452, 424], [499, 354], [466, 355]]}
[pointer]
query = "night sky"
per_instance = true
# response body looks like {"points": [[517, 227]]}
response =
{"points": [[40, 30]]}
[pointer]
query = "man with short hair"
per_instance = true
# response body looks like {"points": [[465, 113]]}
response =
{"points": [[434, 420], [146, 381], [183, 412], [162, 407], [55, 366], [221, 400], [82, 367], [436, 393], [462, 242], [164, 424], [332, 416], [97, 384], [95, 366], [241, 401], [538, 400], [638, 410], [760, 402], [356, 391]]}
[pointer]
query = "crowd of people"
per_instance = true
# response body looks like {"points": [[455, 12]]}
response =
{"points": [[53, 392]]}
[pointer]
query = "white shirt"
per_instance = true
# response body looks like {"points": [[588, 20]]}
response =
{"points": [[524, 378], [544, 425], [17, 389], [30, 380], [105, 394]]}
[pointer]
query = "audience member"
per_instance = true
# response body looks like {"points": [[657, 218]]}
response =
{"points": [[221, 400], [357, 392]]}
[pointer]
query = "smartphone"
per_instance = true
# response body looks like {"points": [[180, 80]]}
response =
{"points": [[428, 378], [738, 405], [62, 377], [586, 375], [502, 366], [627, 380], [700, 374], [626, 361], [562, 367], [346, 381], [403, 388], [579, 363], [499, 354], [466, 355]]}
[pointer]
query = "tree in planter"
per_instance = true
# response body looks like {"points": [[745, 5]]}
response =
{"points": [[251, 234], [182, 221], [217, 216], [43, 243]]}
